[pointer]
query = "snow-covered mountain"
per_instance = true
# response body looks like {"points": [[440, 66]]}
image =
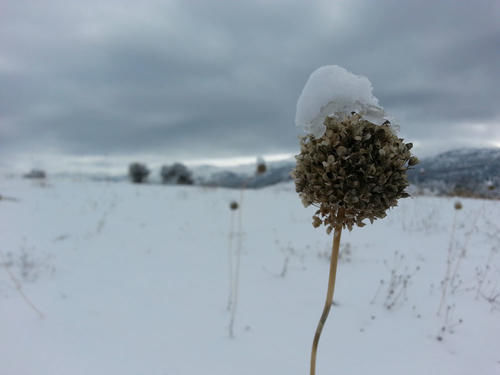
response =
{"points": [[464, 171], [469, 172], [276, 172]]}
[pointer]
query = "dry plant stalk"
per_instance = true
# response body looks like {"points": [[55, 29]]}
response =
{"points": [[233, 206], [19, 289], [449, 259], [355, 171], [329, 294], [235, 274], [456, 255]]}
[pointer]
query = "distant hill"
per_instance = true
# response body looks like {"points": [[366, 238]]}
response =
{"points": [[466, 172], [474, 172], [276, 172]]}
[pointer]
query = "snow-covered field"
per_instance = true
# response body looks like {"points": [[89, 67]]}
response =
{"points": [[133, 280]]}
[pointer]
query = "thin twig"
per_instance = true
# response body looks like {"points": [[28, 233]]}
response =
{"points": [[19, 288], [10, 199], [445, 282], [237, 266], [463, 252], [484, 273], [285, 267], [230, 261]]}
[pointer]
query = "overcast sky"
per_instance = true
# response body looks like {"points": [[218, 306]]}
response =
{"points": [[206, 79]]}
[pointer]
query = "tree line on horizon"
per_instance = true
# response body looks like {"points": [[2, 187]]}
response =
{"points": [[175, 174]]}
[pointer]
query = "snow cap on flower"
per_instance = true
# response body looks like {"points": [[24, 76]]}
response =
{"points": [[352, 165], [332, 91]]}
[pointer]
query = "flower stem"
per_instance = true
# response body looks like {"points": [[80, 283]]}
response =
{"points": [[236, 279], [230, 262], [329, 293]]}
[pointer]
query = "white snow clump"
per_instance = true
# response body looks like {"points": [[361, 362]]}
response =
{"points": [[335, 92]]}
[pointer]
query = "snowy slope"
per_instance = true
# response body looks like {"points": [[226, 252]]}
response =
{"points": [[133, 280], [470, 169]]}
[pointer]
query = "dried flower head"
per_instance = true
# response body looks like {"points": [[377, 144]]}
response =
{"points": [[261, 168], [458, 205], [356, 170], [233, 205]]}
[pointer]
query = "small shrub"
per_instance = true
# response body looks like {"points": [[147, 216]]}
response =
{"points": [[176, 174], [138, 173], [36, 174]]}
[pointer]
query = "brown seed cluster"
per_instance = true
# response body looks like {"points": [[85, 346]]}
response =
{"points": [[355, 171], [261, 168]]}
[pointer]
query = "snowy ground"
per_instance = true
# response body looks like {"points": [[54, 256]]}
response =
{"points": [[134, 280]]}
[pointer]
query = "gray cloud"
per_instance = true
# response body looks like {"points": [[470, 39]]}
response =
{"points": [[197, 79]]}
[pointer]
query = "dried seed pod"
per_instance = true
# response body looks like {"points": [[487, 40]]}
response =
{"points": [[355, 165], [261, 168], [316, 221], [458, 205], [413, 161]]}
